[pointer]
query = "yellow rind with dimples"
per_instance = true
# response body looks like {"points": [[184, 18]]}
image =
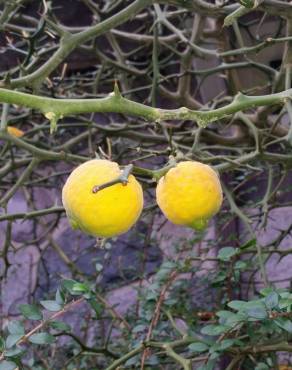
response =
{"points": [[110, 211], [190, 194]]}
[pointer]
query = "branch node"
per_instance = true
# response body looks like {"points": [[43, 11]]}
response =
{"points": [[53, 118], [247, 3], [240, 98], [184, 111]]}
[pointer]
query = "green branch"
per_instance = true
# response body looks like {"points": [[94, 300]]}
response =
{"points": [[115, 103]]}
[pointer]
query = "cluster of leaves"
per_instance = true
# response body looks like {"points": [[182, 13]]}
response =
{"points": [[248, 331]]}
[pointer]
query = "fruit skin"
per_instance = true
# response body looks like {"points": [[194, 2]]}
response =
{"points": [[110, 211], [14, 131], [190, 194]]}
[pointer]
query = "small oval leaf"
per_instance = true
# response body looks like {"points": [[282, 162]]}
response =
{"points": [[42, 338]]}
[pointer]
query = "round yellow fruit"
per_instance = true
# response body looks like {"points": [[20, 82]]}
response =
{"points": [[108, 212], [189, 194], [14, 131]]}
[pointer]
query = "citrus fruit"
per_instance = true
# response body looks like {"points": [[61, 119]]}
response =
{"points": [[14, 131], [107, 212], [189, 194]]}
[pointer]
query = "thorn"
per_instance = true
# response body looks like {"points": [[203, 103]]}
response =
{"points": [[117, 92], [53, 118]]}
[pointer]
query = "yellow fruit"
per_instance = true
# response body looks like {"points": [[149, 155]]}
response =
{"points": [[189, 194], [108, 212], [15, 131]]}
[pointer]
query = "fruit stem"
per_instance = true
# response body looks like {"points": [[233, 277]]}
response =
{"points": [[157, 174], [122, 179]]}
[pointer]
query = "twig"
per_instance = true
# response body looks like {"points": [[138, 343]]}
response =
{"points": [[29, 215], [156, 314], [122, 179]]}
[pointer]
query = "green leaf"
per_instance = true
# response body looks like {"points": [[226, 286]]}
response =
{"points": [[224, 314], [51, 305], [30, 311], [235, 319], [285, 303], [198, 347], [14, 352], [15, 327], [60, 296], [272, 300], [139, 328], [96, 306], [214, 355], [2, 344], [224, 344], [68, 285], [80, 287], [257, 312], [8, 365], [270, 362], [249, 244], [266, 291], [152, 295], [132, 362], [59, 325], [169, 265], [75, 288], [254, 309], [237, 305], [226, 253], [12, 339], [240, 265], [42, 338], [208, 366], [221, 276], [284, 294], [262, 366], [230, 318], [214, 329], [284, 323]]}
